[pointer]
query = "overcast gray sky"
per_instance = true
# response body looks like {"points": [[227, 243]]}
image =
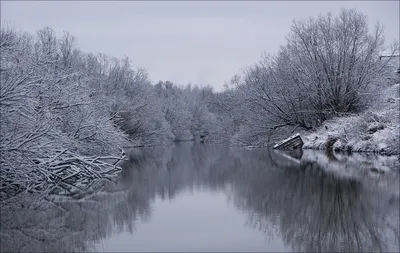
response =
{"points": [[184, 41]]}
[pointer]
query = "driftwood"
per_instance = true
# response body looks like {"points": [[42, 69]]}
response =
{"points": [[292, 142]]}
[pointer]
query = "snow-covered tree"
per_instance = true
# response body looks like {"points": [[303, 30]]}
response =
{"points": [[329, 66], [175, 109]]}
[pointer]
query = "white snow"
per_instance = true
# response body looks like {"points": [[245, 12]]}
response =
{"points": [[376, 130]]}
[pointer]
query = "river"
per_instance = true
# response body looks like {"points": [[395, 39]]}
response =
{"points": [[210, 197]]}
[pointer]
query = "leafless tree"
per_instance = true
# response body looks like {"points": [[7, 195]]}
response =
{"points": [[328, 67]]}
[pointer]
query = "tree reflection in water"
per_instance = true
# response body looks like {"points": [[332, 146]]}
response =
{"points": [[298, 200], [314, 211]]}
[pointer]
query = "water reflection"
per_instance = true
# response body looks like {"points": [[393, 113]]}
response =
{"points": [[303, 199], [314, 210]]}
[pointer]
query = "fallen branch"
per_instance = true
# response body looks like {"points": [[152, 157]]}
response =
{"points": [[65, 174]]}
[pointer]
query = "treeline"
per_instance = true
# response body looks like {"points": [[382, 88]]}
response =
{"points": [[54, 97], [57, 100]]}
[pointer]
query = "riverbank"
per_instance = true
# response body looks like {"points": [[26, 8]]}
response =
{"points": [[376, 130]]}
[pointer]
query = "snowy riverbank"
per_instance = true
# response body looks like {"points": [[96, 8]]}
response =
{"points": [[376, 130]]}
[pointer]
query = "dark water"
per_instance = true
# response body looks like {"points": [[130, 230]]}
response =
{"points": [[202, 197]]}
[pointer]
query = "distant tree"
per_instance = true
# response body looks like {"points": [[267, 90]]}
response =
{"points": [[66, 46], [175, 109]]}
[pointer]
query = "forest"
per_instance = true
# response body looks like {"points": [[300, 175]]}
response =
{"points": [[67, 115]]}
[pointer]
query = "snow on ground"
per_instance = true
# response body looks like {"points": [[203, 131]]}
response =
{"points": [[376, 130]]}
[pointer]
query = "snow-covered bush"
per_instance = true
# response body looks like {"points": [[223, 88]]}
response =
{"points": [[375, 130]]}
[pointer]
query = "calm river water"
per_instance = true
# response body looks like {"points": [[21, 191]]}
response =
{"points": [[204, 197]]}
